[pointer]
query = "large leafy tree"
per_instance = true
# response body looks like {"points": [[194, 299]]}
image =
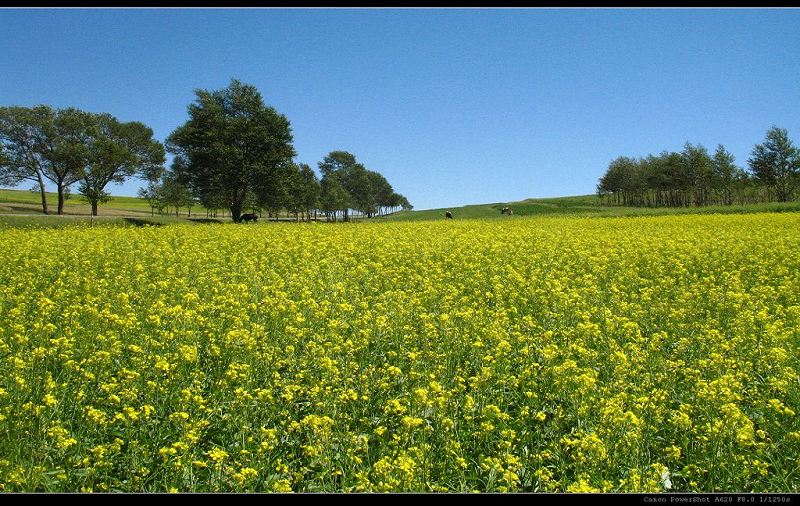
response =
{"points": [[776, 163], [21, 136], [44, 143], [118, 151], [232, 146], [65, 145]]}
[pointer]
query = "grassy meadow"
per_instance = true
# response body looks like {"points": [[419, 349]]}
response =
{"points": [[24, 209], [584, 205], [28, 202], [546, 354]]}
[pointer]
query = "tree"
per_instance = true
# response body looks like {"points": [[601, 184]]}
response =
{"points": [[742, 182], [381, 190], [310, 189], [776, 163], [356, 182], [303, 190], [657, 177], [5, 160], [273, 192], [724, 174], [213, 202], [153, 194], [175, 193], [118, 151], [337, 162], [294, 192], [347, 184], [65, 145], [21, 133], [623, 179], [692, 177], [333, 196], [677, 178], [395, 201], [232, 145], [699, 172], [617, 179], [405, 204], [334, 169]]}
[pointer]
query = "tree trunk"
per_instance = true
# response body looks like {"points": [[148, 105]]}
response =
{"points": [[94, 208], [44, 193], [236, 213], [60, 198]]}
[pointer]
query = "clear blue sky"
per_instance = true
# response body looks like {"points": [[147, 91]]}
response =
{"points": [[453, 106]]}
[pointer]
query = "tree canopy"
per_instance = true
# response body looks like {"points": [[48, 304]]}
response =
{"points": [[118, 151], [66, 146], [347, 184], [694, 177], [234, 152], [21, 138], [776, 163], [232, 146]]}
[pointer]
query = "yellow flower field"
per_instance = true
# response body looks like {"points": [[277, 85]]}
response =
{"points": [[529, 354]]}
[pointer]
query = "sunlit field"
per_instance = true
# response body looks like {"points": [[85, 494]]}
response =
{"points": [[545, 354]]}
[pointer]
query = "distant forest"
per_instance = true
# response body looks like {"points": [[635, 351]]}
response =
{"points": [[693, 177]]}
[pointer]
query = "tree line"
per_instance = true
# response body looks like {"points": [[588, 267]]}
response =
{"points": [[693, 177], [234, 153], [69, 146]]}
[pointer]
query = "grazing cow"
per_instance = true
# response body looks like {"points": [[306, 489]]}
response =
{"points": [[249, 217], [506, 210], [448, 214]]}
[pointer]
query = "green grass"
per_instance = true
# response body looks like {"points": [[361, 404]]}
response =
{"points": [[586, 205], [67, 221], [22, 201], [21, 208], [15, 203]]}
